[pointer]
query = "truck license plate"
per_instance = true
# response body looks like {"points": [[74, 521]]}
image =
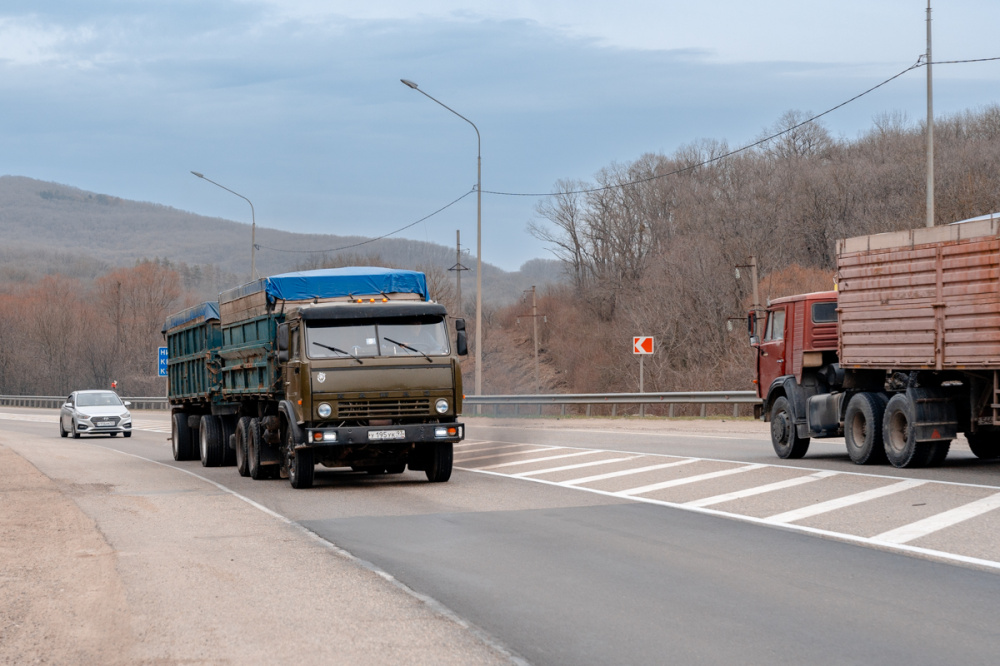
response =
{"points": [[386, 434]]}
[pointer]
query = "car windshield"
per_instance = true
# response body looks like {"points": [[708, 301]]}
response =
{"points": [[398, 336], [97, 400]]}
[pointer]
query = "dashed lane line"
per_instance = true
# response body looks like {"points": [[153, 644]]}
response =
{"points": [[509, 453], [842, 502], [627, 472], [642, 490], [760, 490], [922, 528]]}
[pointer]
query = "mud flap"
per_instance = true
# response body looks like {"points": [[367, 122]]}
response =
{"points": [[936, 418]]}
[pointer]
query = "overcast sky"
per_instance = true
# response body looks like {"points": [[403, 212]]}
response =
{"points": [[297, 104]]}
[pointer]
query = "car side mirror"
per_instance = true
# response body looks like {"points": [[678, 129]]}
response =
{"points": [[462, 339], [68, 405], [128, 404]]}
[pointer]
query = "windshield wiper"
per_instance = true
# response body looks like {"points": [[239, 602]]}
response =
{"points": [[406, 346], [339, 351]]}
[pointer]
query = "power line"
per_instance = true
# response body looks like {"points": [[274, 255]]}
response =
{"points": [[371, 240], [640, 181]]}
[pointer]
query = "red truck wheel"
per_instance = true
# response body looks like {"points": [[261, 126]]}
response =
{"points": [[863, 428], [784, 438]]}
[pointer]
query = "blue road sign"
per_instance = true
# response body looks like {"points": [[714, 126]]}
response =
{"points": [[163, 361]]}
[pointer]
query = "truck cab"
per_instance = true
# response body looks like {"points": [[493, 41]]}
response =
{"points": [[796, 349]]}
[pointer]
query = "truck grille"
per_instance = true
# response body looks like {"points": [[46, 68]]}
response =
{"points": [[365, 409]]}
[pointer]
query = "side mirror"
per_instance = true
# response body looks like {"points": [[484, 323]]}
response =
{"points": [[754, 341], [282, 342], [462, 340], [128, 404], [68, 405]]}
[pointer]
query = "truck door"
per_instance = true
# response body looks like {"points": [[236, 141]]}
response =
{"points": [[771, 352], [293, 374]]}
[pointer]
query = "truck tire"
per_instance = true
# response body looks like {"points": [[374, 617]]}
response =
{"points": [[228, 431], [863, 428], [210, 441], [984, 445], [439, 462], [301, 464], [242, 433], [254, 468], [180, 436], [784, 438], [901, 446]]}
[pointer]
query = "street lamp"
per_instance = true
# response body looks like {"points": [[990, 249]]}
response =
{"points": [[479, 236], [253, 225]]}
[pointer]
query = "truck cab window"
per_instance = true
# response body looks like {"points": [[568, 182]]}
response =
{"points": [[775, 326], [824, 313]]}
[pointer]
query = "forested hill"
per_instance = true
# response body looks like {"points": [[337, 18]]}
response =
{"points": [[51, 228]]}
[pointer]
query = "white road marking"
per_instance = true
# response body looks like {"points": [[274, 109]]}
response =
{"points": [[535, 460], [842, 502], [565, 468], [686, 480], [760, 490], [510, 453], [627, 472], [932, 524]]}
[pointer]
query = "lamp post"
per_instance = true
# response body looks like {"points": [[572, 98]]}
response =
{"points": [[479, 236], [253, 225]]}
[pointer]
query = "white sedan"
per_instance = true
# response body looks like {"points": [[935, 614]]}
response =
{"points": [[94, 413]]}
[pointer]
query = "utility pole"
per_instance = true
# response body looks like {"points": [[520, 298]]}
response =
{"points": [[930, 126], [534, 330], [458, 268]]}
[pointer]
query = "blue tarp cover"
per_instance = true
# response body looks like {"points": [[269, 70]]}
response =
{"points": [[208, 310], [350, 281]]}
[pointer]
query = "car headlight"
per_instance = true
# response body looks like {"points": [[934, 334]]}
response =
{"points": [[324, 410], [441, 406]]}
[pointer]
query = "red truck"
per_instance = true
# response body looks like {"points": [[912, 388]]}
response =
{"points": [[903, 357]]}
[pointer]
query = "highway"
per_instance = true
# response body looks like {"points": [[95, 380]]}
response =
{"points": [[581, 544]]}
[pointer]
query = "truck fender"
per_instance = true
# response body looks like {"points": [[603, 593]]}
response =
{"points": [[287, 410], [775, 391], [797, 395]]}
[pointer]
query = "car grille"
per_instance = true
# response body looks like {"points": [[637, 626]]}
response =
{"points": [[366, 409]]}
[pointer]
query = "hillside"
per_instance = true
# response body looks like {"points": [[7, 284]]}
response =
{"points": [[51, 228]]}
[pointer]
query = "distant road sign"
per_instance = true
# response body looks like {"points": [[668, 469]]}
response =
{"points": [[642, 345], [163, 361]]}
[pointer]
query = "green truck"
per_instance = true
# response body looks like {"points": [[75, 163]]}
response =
{"points": [[349, 367]]}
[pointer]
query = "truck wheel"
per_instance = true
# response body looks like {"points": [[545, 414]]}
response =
{"points": [[210, 441], [301, 464], [984, 445], [863, 428], [254, 468], [180, 436], [939, 451], [228, 432], [784, 438], [901, 446], [439, 463], [242, 430]]}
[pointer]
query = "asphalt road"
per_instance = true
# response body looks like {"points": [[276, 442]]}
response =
{"points": [[560, 575]]}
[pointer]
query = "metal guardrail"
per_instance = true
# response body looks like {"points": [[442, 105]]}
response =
{"points": [[588, 400], [56, 401]]}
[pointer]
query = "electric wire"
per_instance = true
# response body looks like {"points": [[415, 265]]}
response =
{"points": [[371, 240]]}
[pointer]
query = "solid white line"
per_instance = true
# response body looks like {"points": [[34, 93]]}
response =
{"points": [[760, 490], [686, 480], [940, 521], [842, 502], [509, 453], [534, 460], [627, 472], [564, 468]]}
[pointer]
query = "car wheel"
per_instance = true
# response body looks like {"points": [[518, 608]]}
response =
{"points": [[127, 433], [62, 431], [76, 433]]}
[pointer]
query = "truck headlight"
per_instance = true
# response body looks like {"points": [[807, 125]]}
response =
{"points": [[441, 406], [324, 410]]}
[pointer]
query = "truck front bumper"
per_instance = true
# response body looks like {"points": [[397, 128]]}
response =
{"points": [[398, 434]]}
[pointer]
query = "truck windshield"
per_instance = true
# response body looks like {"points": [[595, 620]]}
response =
{"points": [[406, 336]]}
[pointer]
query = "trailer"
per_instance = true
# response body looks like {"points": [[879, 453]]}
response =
{"points": [[900, 359], [350, 367]]}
